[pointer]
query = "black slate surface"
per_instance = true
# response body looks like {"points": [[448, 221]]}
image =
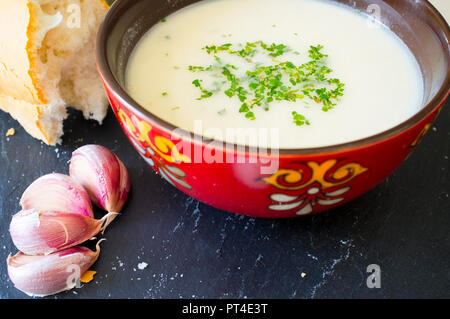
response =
{"points": [[196, 251]]}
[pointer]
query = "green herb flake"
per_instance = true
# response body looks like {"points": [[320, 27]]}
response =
{"points": [[250, 116], [262, 85], [299, 119], [163, 20], [205, 92]]}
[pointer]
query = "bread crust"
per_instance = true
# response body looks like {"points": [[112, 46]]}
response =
{"points": [[25, 26]]}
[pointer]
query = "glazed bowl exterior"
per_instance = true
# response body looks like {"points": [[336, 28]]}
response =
{"points": [[302, 181]]}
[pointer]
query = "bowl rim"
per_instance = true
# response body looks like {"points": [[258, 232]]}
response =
{"points": [[112, 84]]}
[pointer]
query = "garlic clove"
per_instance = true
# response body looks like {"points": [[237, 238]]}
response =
{"points": [[125, 186], [57, 192], [103, 175], [41, 276], [36, 232]]}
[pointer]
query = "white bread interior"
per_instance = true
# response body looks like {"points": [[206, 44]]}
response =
{"points": [[47, 62]]}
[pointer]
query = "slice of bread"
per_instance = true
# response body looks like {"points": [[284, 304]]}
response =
{"points": [[47, 62]]}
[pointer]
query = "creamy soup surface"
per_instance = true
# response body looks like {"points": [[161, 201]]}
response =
{"points": [[383, 83]]}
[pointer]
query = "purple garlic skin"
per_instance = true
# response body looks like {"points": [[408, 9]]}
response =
{"points": [[41, 276], [36, 232], [103, 176], [57, 192]]}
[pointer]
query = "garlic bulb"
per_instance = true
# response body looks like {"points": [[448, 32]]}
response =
{"points": [[103, 175], [57, 192], [36, 232], [41, 276]]}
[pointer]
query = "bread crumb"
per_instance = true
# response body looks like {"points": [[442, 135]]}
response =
{"points": [[303, 275], [88, 276], [142, 265], [11, 132]]}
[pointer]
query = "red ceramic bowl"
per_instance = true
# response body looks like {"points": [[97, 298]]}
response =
{"points": [[306, 181]]}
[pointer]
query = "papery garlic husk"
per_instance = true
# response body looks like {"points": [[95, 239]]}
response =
{"points": [[57, 192], [102, 175], [41, 276], [36, 232]]}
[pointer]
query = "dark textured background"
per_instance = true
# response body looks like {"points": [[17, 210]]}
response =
{"points": [[195, 251]]}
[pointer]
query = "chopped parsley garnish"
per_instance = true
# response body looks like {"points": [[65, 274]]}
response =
{"points": [[165, 94], [163, 20], [299, 119], [262, 85], [205, 93]]}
